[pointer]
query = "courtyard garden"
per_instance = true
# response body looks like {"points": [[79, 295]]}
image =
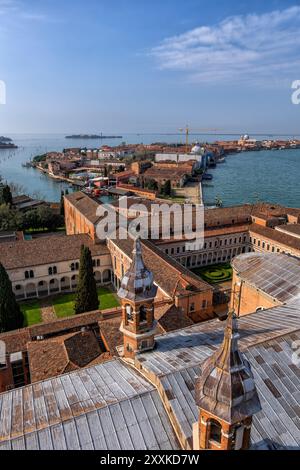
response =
{"points": [[32, 313], [63, 306], [215, 274]]}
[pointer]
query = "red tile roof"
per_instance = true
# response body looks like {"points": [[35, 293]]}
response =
{"points": [[46, 250], [276, 236]]}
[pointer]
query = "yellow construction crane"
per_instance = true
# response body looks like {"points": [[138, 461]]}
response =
{"points": [[187, 133]]}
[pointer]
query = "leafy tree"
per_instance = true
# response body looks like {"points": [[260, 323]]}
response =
{"points": [[41, 218], [11, 317], [48, 219], [30, 220], [6, 196], [86, 293], [9, 219], [151, 184]]}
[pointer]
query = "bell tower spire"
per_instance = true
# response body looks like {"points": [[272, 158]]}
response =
{"points": [[226, 396], [137, 294]]}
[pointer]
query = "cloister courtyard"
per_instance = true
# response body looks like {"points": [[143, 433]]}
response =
{"points": [[215, 274], [62, 305]]}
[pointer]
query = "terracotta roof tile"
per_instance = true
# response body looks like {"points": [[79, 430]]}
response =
{"points": [[111, 335], [86, 205], [65, 353], [46, 250], [169, 275], [15, 341], [276, 236], [170, 318]]}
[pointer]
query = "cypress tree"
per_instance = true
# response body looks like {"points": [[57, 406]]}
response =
{"points": [[166, 189], [11, 317], [86, 293], [62, 205]]}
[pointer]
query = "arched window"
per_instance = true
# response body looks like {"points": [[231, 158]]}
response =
{"points": [[129, 314], [26, 275], [50, 271], [214, 431], [31, 274], [54, 270], [143, 313]]}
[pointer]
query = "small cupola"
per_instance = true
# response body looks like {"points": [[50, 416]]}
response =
{"points": [[137, 282], [137, 294], [226, 396]]}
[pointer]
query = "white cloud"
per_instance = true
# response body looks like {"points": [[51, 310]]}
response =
{"points": [[253, 48], [33, 16], [7, 6], [18, 10]]}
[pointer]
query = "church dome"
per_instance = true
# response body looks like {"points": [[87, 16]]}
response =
{"points": [[196, 149]]}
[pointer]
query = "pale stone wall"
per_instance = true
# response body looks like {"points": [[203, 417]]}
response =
{"points": [[40, 282]]}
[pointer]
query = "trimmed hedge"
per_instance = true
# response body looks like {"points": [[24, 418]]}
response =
{"points": [[215, 274]]}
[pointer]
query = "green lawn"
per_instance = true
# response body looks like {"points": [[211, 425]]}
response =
{"points": [[64, 304], [31, 312], [107, 298], [215, 274]]}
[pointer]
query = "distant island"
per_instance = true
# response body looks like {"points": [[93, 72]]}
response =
{"points": [[93, 136], [7, 143]]}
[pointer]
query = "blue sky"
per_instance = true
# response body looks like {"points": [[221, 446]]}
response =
{"points": [[149, 66]]}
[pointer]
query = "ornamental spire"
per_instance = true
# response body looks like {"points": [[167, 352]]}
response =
{"points": [[226, 387], [137, 283]]}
